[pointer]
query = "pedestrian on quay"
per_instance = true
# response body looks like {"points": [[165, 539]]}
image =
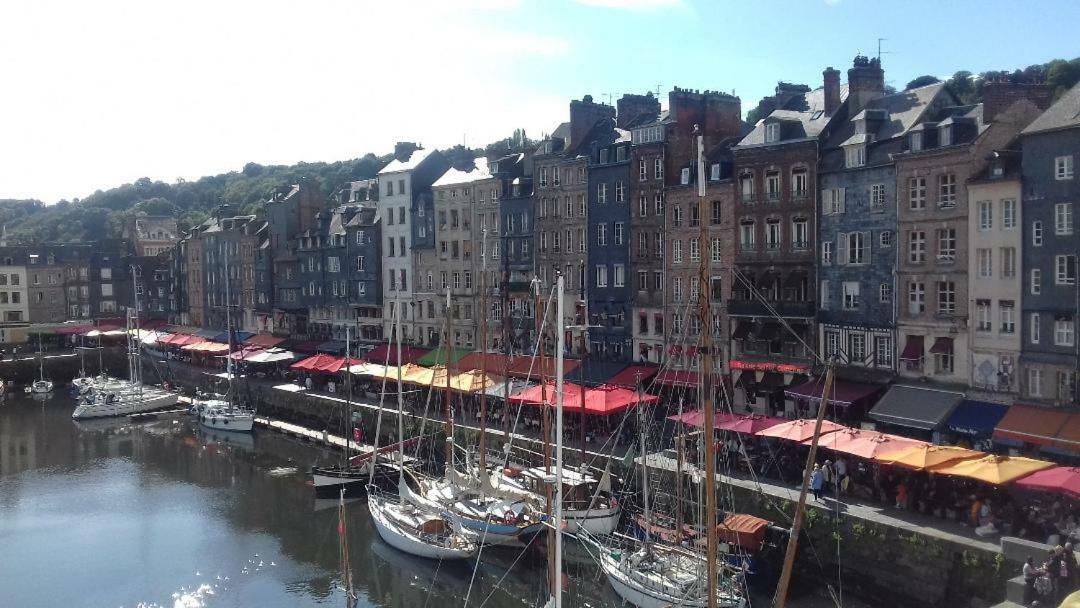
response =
{"points": [[841, 476], [816, 481], [828, 477], [1061, 573], [1031, 574]]}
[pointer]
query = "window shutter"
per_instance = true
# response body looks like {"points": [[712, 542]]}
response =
{"points": [[826, 202], [842, 248], [841, 194], [868, 243]]}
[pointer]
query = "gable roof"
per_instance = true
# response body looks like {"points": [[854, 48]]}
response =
{"points": [[454, 177], [1064, 114], [807, 110], [417, 157]]}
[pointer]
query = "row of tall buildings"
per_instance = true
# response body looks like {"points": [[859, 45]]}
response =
{"points": [[902, 235]]}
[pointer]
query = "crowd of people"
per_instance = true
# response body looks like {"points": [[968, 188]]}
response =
{"points": [[1047, 582]]}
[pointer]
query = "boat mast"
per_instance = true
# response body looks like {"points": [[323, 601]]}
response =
{"points": [[446, 394], [560, 345], [707, 369], [396, 326], [136, 352], [644, 459], [680, 447], [800, 511], [228, 328], [348, 399], [483, 352], [41, 358]]}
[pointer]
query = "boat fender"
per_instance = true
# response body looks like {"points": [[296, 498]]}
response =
{"points": [[509, 518]]}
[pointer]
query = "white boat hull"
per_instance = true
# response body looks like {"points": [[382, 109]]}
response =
{"points": [[41, 387], [641, 595], [403, 541], [594, 521], [237, 422], [125, 405]]}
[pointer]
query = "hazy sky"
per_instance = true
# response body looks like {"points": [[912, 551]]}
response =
{"points": [[97, 93]]}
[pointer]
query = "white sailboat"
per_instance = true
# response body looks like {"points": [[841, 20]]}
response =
{"points": [[227, 416], [409, 522], [41, 386]]}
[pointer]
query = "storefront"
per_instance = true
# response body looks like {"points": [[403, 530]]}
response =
{"points": [[915, 411], [760, 386]]}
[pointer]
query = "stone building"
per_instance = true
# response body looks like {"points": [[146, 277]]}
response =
{"points": [[857, 245], [609, 301], [111, 285], [151, 285], [940, 155], [408, 229], [154, 234], [14, 297], [775, 258], [1051, 300], [228, 260], [290, 211], [46, 275], [994, 271], [363, 235]]}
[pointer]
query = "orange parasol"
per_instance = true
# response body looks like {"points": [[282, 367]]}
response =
{"points": [[924, 456], [993, 469], [799, 430], [865, 444]]}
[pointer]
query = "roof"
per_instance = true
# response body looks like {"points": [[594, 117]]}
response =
{"points": [[454, 176], [397, 166], [808, 110], [915, 407], [1064, 114]]}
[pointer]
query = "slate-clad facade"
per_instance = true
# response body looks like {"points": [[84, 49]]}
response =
{"points": [[647, 162], [1051, 300], [511, 279], [609, 291]]}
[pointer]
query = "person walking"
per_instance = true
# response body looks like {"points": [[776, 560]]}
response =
{"points": [[1031, 574], [828, 477], [841, 476], [1070, 566], [816, 481]]}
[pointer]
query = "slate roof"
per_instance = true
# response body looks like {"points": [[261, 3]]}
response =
{"points": [[1064, 114], [397, 166], [808, 110], [453, 176]]}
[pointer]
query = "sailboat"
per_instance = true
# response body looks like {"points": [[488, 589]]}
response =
{"points": [[228, 416], [121, 398], [41, 386], [407, 521]]}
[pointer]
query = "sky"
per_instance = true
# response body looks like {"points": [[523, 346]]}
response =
{"points": [[97, 94]]}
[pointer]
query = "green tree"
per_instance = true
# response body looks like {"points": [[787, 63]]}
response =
{"points": [[921, 81]]}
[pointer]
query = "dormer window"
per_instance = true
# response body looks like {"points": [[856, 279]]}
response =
{"points": [[603, 156], [516, 190], [714, 172], [547, 147], [684, 177], [855, 156], [620, 154], [495, 167], [916, 141], [996, 170], [772, 132], [945, 135]]}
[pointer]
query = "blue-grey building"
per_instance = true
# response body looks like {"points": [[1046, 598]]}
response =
{"points": [[857, 244], [364, 240], [1051, 301], [514, 183], [609, 294]]}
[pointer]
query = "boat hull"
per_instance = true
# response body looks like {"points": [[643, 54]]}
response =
{"points": [[402, 541], [593, 521], [237, 423], [490, 533], [329, 481], [644, 596], [126, 405]]}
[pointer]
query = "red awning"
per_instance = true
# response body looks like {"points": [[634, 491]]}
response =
{"points": [[628, 377], [320, 363], [942, 346], [310, 346], [678, 377], [71, 330], [1029, 424], [913, 349], [153, 324], [602, 400], [264, 340], [697, 418], [385, 354], [750, 425], [245, 352]]}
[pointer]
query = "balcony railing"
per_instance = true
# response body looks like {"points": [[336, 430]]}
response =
{"points": [[758, 309]]}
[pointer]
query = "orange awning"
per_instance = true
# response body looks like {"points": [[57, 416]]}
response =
{"points": [[799, 430], [993, 469], [1068, 437], [1028, 424], [923, 456]]}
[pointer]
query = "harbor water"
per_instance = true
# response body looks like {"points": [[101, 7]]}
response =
{"points": [[114, 513]]}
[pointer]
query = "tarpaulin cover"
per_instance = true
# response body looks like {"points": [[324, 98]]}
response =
{"points": [[799, 430], [409, 354], [993, 469], [438, 356], [842, 393], [320, 363], [742, 530], [602, 400], [1028, 424]]}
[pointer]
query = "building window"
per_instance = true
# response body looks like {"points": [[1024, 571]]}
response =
{"points": [[658, 245], [833, 201], [856, 347], [986, 215], [826, 253], [854, 156], [826, 299], [877, 197], [772, 185], [746, 187], [695, 215], [642, 280], [1008, 214], [885, 293], [1008, 316], [601, 193], [1065, 270], [772, 233], [1008, 262], [601, 234], [658, 168], [676, 251], [1034, 382], [917, 193], [684, 176], [714, 172], [543, 177], [982, 315], [695, 250], [943, 362], [799, 182], [885, 238], [715, 250], [676, 289], [620, 191], [917, 247], [643, 170], [945, 136], [1063, 167], [916, 141], [746, 235], [1036, 234], [883, 351], [619, 230], [658, 281], [772, 132], [603, 156], [1063, 224], [946, 295], [1036, 281], [799, 234], [601, 276], [855, 248], [947, 190], [946, 244], [1035, 327], [832, 344], [1064, 334], [851, 295], [985, 263], [658, 204]]}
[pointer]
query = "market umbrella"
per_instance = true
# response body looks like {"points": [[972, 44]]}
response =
{"points": [[993, 469], [923, 456], [799, 430], [472, 381], [865, 444], [1060, 480], [750, 425], [424, 376]]}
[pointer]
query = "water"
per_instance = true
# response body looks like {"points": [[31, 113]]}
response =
{"points": [[111, 513]]}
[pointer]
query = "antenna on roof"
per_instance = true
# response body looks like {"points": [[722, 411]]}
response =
{"points": [[608, 95], [658, 90], [881, 52]]}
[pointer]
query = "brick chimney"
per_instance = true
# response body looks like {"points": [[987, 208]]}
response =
{"points": [[831, 79], [999, 95], [866, 82], [787, 91], [630, 107], [584, 114], [719, 114]]}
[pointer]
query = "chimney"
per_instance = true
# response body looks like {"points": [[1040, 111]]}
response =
{"points": [[786, 91], [999, 95], [831, 79], [866, 82], [404, 149], [631, 107], [584, 115]]}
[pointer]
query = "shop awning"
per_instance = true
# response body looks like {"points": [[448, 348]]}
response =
{"points": [[697, 418], [1068, 438], [976, 418], [333, 347], [264, 340], [1059, 480], [238, 336], [742, 330], [925, 456], [522, 366], [153, 324], [472, 381], [751, 424], [942, 346], [308, 346], [1028, 424], [916, 407], [500, 389], [913, 349], [993, 469], [320, 363], [438, 356], [628, 377], [478, 360], [385, 354], [209, 334], [71, 330], [593, 373], [206, 346], [600, 401], [244, 353], [843, 393], [866, 444], [678, 377]]}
